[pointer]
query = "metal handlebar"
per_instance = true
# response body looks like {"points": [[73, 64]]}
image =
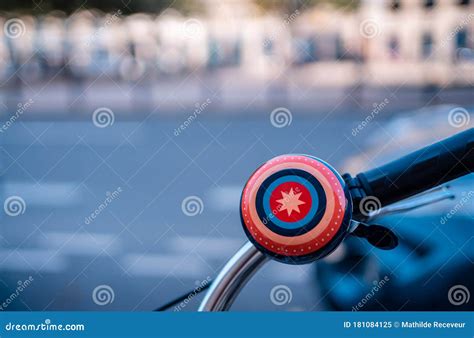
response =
{"points": [[248, 260], [232, 278]]}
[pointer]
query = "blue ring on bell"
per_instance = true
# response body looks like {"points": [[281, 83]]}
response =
{"points": [[269, 221], [297, 224]]}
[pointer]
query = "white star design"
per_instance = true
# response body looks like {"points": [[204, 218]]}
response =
{"points": [[290, 202]]}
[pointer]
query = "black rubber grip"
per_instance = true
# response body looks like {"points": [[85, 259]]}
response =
{"points": [[421, 170]]}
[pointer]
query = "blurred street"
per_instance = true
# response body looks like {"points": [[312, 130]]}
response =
{"points": [[142, 244]]}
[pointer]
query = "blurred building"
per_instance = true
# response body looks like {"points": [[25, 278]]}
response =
{"points": [[419, 42], [235, 51]]}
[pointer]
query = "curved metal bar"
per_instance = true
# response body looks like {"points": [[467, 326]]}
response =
{"points": [[232, 278], [243, 265]]}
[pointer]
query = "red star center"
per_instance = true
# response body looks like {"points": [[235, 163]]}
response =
{"points": [[290, 201]]}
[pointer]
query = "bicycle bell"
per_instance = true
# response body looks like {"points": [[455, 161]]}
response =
{"points": [[296, 208]]}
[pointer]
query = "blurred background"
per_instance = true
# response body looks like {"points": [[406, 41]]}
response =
{"points": [[128, 129]]}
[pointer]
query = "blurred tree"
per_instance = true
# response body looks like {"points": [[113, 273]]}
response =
{"points": [[288, 6], [126, 6]]}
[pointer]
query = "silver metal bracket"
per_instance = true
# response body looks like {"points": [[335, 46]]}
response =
{"points": [[431, 196]]}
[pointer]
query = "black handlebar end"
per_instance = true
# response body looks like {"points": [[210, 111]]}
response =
{"points": [[421, 170]]}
